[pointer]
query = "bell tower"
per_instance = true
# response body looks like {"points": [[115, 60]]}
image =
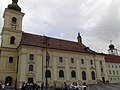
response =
{"points": [[112, 50], [12, 28], [79, 38]]}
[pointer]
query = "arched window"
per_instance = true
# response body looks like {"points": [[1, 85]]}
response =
{"points": [[30, 67], [13, 23], [93, 75], [12, 40], [83, 75], [8, 81], [73, 74], [100, 62], [101, 69], [48, 74], [14, 20], [61, 74]]}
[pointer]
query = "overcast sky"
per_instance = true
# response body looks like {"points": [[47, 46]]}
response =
{"points": [[98, 21]]}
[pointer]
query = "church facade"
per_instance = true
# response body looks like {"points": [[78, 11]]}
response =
{"points": [[26, 57]]}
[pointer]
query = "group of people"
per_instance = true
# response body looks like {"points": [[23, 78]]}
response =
{"points": [[30, 86], [2, 85]]}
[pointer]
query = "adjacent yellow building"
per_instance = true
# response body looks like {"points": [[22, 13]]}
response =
{"points": [[23, 56]]}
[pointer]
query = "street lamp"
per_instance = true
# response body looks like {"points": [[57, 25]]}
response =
{"points": [[47, 61]]}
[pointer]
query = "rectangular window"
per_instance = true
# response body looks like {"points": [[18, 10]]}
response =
{"points": [[101, 69], [31, 57], [100, 62], [60, 59], [117, 72], [91, 62], [72, 60], [112, 66], [82, 61], [109, 72], [113, 72], [10, 59], [111, 79]]}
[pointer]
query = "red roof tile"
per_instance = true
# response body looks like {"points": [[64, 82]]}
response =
{"points": [[112, 58], [39, 41]]}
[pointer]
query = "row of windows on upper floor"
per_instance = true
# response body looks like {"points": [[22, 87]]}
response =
{"points": [[114, 79], [31, 57], [113, 66], [113, 72]]}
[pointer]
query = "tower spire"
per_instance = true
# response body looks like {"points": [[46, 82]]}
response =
{"points": [[79, 38], [112, 50], [14, 6]]}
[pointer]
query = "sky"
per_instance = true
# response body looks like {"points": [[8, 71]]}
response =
{"points": [[98, 21]]}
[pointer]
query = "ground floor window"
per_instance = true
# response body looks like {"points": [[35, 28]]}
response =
{"points": [[93, 75], [83, 75]]}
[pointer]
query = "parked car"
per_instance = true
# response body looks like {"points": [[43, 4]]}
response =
{"points": [[77, 86], [30, 86]]}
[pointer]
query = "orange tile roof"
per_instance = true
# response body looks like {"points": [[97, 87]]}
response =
{"points": [[53, 43], [112, 58]]}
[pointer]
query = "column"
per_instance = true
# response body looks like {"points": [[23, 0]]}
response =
{"points": [[55, 72], [67, 70]]}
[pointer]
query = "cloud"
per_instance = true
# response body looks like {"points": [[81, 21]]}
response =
{"points": [[108, 27], [96, 20]]}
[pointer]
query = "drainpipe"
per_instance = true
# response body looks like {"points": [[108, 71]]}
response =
{"points": [[17, 72], [42, 63]]}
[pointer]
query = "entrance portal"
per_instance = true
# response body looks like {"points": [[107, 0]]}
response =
{"points": [[8, 81], [103, 79]]}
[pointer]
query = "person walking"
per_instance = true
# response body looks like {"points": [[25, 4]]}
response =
{"points": [[3, 86], [42, 86], [65, 86]]}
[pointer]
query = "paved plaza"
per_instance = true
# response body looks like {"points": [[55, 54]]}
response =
{"points": [[96, 87], [104, 87]]}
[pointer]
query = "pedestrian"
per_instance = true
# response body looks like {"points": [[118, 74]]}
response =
{"points": [[54, 86], [65, 86], [0, 85], [42, 86], [3, 86]]}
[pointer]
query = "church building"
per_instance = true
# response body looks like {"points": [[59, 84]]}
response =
{"points": [[26, 57]]}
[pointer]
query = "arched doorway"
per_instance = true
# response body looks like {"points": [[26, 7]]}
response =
{"points": [[8, 81]]}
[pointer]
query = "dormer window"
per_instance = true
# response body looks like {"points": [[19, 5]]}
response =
{"points": [[13, 23], [12, 40]]}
